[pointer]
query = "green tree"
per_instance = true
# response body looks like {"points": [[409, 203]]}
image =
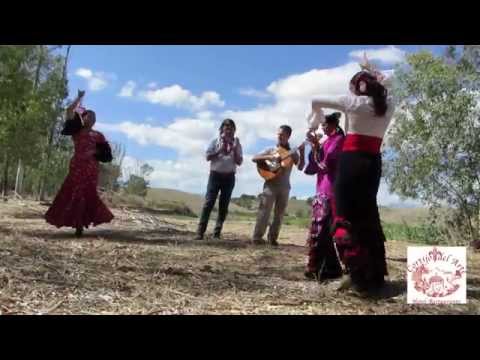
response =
{"points": [[137, 183], [434, 142], [32, 89]]}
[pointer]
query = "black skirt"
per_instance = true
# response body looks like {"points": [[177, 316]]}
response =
{"points": [[356, 189]]}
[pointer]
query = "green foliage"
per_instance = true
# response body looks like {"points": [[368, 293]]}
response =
{"points": [[246, 201], [436, 139], [136, 185], [33, 96], [32, 92], [422, 234]]}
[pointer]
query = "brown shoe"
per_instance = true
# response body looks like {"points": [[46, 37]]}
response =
{"points": [[259, 242]]}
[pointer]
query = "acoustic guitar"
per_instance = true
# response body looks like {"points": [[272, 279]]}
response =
{"points": [[271, 169]]}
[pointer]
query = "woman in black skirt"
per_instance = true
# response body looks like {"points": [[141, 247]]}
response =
{"points": [[357, 230]]}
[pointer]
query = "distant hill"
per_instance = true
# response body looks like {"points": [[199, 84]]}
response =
{"points": [[193, 201], [245, 204], [296, 207]]}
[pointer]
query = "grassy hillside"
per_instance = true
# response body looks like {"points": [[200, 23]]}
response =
{"points": [[296, 208], [195, 202]]}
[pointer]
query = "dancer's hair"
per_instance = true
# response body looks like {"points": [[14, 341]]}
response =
{"points": [[374, 89], [334, 119]]}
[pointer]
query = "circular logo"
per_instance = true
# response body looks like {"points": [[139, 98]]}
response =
{"points": [[437, 274]]}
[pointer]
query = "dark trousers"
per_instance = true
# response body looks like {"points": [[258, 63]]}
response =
{"points": [[356, 188], [217, 182]]}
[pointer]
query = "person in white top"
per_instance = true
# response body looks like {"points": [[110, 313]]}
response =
{"points": [[358, 233], [224, 154]]}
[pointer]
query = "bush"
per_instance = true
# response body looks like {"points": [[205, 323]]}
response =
{"points": [[424, 233], [136, 185], [134, 201]]}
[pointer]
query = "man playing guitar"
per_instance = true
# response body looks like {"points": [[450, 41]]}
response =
{"points": [[276, 189]]}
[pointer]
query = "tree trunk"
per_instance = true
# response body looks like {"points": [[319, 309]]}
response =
{"points": [[19, 178], [5, 176]]}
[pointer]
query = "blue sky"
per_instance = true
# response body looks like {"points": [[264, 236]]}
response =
{"points": [[174, 97]]}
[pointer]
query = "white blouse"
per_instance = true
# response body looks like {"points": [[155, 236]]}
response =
{"points": [[360, 117]]}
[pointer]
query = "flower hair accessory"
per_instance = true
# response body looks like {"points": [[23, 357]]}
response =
{"points": [[367, 66]]}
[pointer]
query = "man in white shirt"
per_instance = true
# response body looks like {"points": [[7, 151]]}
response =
{"points": [[224, 154]]}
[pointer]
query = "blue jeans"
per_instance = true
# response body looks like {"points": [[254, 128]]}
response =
{"points": [[217, 182]]}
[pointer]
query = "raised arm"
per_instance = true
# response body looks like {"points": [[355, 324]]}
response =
{"points": [[332, 102], [71, 108]]}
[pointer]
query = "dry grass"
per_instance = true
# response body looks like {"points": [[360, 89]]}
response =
{"points": [[149, 264]]}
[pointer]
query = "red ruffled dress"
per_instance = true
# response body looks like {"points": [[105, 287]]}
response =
{"points": [[78, 204]]}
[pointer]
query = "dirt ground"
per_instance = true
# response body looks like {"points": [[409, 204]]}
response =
{"points": [[144, 263]]}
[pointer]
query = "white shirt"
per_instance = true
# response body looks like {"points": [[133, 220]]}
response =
{"points": [[359, 112], [224, 163]]}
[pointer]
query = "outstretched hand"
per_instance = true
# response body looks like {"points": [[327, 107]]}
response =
{"points": [[365, 64], [81, 94]]}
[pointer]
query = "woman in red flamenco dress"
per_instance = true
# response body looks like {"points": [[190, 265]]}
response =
{"points": [[78, 204]]}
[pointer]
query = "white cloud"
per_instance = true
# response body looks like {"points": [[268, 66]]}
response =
{"points": [[85, 73], [127, 89], [177, 96], [332, 81], [255, 93], [388, 55], [205, 115], [187, 136], [97, 80], [291, 98], [291, 103]]}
